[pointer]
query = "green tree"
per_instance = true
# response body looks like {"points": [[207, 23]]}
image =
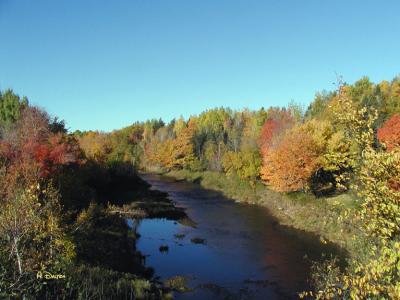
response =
{"points": [[10, 107], [235, 131], [318, 107]]}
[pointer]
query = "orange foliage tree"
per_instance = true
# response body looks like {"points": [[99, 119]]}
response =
{"points": [[175, 153], [289, 165], [389, 133]]}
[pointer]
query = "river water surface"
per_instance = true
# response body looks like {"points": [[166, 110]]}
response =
{"points": [[245, 253]]}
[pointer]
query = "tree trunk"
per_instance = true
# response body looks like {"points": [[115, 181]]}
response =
{"points": [[19, 262]]}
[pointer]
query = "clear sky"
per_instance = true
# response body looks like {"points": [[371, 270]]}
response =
{"points": [[105, 64]]}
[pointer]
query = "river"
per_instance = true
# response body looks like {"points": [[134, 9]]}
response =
{"points": [[245, 254]]}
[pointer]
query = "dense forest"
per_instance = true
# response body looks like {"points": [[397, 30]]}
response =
{"points": [[55, 186]]}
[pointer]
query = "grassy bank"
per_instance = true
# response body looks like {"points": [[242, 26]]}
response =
{"points": [[298, 210]]}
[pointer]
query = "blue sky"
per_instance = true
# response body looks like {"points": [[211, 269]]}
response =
{"points": [[105, 64]]}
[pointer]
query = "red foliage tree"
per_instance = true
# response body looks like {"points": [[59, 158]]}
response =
{"points": [[389, 133], [58, 151], [6, 153], [30, 151], [275, 125]]}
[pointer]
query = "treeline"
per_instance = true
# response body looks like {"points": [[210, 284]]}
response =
{"points": [[289, 148], [54, 215], [348, 139]]}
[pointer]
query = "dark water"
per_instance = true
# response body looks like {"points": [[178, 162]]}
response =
{"points": [[246, 255]]}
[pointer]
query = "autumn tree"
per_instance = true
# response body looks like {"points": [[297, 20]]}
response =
{"points": [[163, 154], [31, 151], [337, 163], [253, 122], [96, 145], [389, 133], [183, 149], [290, 165], [276, 124], [311, 156], [150, 127], [212, 124], [173, 153], [245, 164], [178, 126], [235, 127]]}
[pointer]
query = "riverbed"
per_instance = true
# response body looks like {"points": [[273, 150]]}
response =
{"points": [[231, 251]]}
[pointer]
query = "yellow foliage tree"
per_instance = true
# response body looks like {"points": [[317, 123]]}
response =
{"points": [[183, 149], [246, 164]]}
